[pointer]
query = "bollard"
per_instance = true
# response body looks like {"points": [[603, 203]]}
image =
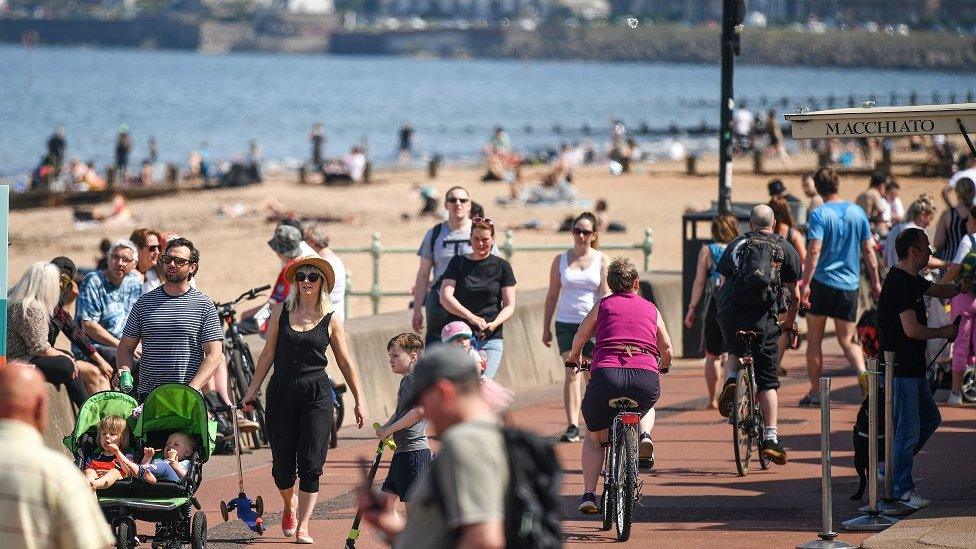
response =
{"points": [[872, 520], [889, 505], [827, 537], [691, 162]]}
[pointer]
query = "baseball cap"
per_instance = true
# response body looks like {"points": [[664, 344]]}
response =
{"points": [[455, 330], [286, 241], [776, 187], [442, 362]]}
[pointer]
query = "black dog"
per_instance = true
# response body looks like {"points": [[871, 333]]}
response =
{"points": [[860, 436]]}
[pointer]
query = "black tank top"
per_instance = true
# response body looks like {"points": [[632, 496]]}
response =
{"points": [[301, 354]]}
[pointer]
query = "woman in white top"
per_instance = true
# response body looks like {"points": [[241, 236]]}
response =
{"points": [[577, 279]]}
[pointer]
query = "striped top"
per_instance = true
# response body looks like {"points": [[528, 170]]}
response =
{"points": [[173, 330], [955, 232], [45, 502]]}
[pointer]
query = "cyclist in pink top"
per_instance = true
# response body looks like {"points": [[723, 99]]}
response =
{"points": [[632, 348]]}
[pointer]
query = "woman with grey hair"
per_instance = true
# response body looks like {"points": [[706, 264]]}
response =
{"points": [[31, 304], [300, 396], [318, 239]]}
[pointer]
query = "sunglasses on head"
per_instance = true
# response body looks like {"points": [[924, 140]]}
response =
{"points": [[581, 232], [484, 220], [455, 199], [170, 259], [311, 277]]}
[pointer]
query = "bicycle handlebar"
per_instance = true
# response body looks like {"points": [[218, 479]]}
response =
{"points": [[250, 294]]}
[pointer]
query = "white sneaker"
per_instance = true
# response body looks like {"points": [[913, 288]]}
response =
{"points": [[955, 399], [912, 498]]}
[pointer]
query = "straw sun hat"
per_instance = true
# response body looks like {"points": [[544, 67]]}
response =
{"points": [[312, 261]]}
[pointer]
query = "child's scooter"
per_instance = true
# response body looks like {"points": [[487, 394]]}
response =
{"points": [[248, 512], [385, 443]]}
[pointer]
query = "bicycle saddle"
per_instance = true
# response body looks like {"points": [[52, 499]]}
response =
{"points": [[623, 403], [747, 336]]}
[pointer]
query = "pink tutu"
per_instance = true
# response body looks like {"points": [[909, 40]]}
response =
{"points": [[497, 397]]}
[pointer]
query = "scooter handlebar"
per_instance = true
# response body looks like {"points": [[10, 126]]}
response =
{"points": [[388, 441]]}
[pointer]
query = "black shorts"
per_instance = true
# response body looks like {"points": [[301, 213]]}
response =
{"points": [[642, 385], [764, 349], [711, 331], [833, 303], [405, 469]]}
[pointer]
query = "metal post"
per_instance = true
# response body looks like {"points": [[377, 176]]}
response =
{"points": [[889, 505], [827, 535], [728, 45], [648, 248], [872, 520], [376, 250], [508, 248]]}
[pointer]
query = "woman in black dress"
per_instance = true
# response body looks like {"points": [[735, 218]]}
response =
{"points": [[300, 397]]}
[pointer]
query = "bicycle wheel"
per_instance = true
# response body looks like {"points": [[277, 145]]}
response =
{"points": [[969, 386], [338, 413], [239, 380], [257, 413], [626, 482], [608, 497], [742, 423]]}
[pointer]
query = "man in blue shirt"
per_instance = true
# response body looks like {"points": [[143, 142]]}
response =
{"points": [[838, 238], [106, 297]]}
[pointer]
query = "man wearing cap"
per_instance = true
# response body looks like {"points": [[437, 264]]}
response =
{"points": [[106, 297], [177, 325], [287, 244], [467, 506]]}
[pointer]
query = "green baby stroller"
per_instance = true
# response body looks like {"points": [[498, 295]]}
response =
{"points": [[169, 408]]}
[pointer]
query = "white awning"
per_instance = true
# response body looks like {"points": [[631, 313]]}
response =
{"points": [[884, 121]]}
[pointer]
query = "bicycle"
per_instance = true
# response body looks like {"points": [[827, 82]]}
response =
{"points": [[747, 418], [240, 362], [241, 366], [621, 483]]}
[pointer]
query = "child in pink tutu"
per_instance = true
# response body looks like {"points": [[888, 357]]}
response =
{"points": [[459, 333]]}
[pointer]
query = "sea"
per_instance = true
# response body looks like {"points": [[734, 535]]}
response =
{"points": [[188, 100]]}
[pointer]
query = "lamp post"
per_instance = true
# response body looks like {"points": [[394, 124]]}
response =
{"points": [[733, 14]]}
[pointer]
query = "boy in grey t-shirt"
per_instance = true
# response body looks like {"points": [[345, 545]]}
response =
{"points": [[407, 425]]}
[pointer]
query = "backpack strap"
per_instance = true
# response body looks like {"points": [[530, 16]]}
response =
{"points": [[435, 233]]}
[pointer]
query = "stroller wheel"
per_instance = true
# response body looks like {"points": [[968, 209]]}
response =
{"points": [[259, 506], [198, 530], [124, 534], [223, 510]]}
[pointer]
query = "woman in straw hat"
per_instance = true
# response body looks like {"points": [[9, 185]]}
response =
{"points": [[300, 397]]}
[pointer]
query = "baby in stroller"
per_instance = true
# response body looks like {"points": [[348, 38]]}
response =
{"points": [[112, 465], [179, 447]]}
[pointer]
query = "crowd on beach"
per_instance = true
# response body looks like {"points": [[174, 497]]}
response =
{"points": [[137, 322]]}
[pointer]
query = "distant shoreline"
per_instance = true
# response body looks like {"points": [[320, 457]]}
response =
{"points": [[659, 43]]}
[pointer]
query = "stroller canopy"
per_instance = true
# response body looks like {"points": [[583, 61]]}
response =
{"points": [[98, 406], [175, 407]]}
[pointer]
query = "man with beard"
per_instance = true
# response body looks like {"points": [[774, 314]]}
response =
{"points": [[177, 325]]}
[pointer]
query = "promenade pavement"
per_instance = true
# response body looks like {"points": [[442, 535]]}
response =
{"points": [[692, 497]]}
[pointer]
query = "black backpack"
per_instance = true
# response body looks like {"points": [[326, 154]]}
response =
{"points": [[532, 506], [756, 281]]}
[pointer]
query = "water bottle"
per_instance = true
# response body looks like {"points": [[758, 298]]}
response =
{"points": [[125, 381]]}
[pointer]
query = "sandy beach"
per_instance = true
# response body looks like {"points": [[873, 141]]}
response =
{"points": [[235, 256]]}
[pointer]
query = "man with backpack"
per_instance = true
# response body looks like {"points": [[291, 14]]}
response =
{"points": [[469, 497], [441, 243], [760, 270]]}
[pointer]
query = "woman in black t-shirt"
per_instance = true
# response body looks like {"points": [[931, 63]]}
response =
{"points": [[479, 288]]}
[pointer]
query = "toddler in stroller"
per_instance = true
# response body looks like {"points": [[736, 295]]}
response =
{"points": [[112, 464], [178, 450], [174, 415]]}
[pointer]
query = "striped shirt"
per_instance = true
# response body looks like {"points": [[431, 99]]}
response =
{"points": [[173, 330], [45, 502]]}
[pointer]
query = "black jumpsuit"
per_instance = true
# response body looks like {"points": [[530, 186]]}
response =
{"points": [[300, 405]]}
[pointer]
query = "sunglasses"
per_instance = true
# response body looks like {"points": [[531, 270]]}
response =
{"points": [[484, 220], [581, 232], [454, 199], [311, 277], [152, 248], [178, 261]]}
